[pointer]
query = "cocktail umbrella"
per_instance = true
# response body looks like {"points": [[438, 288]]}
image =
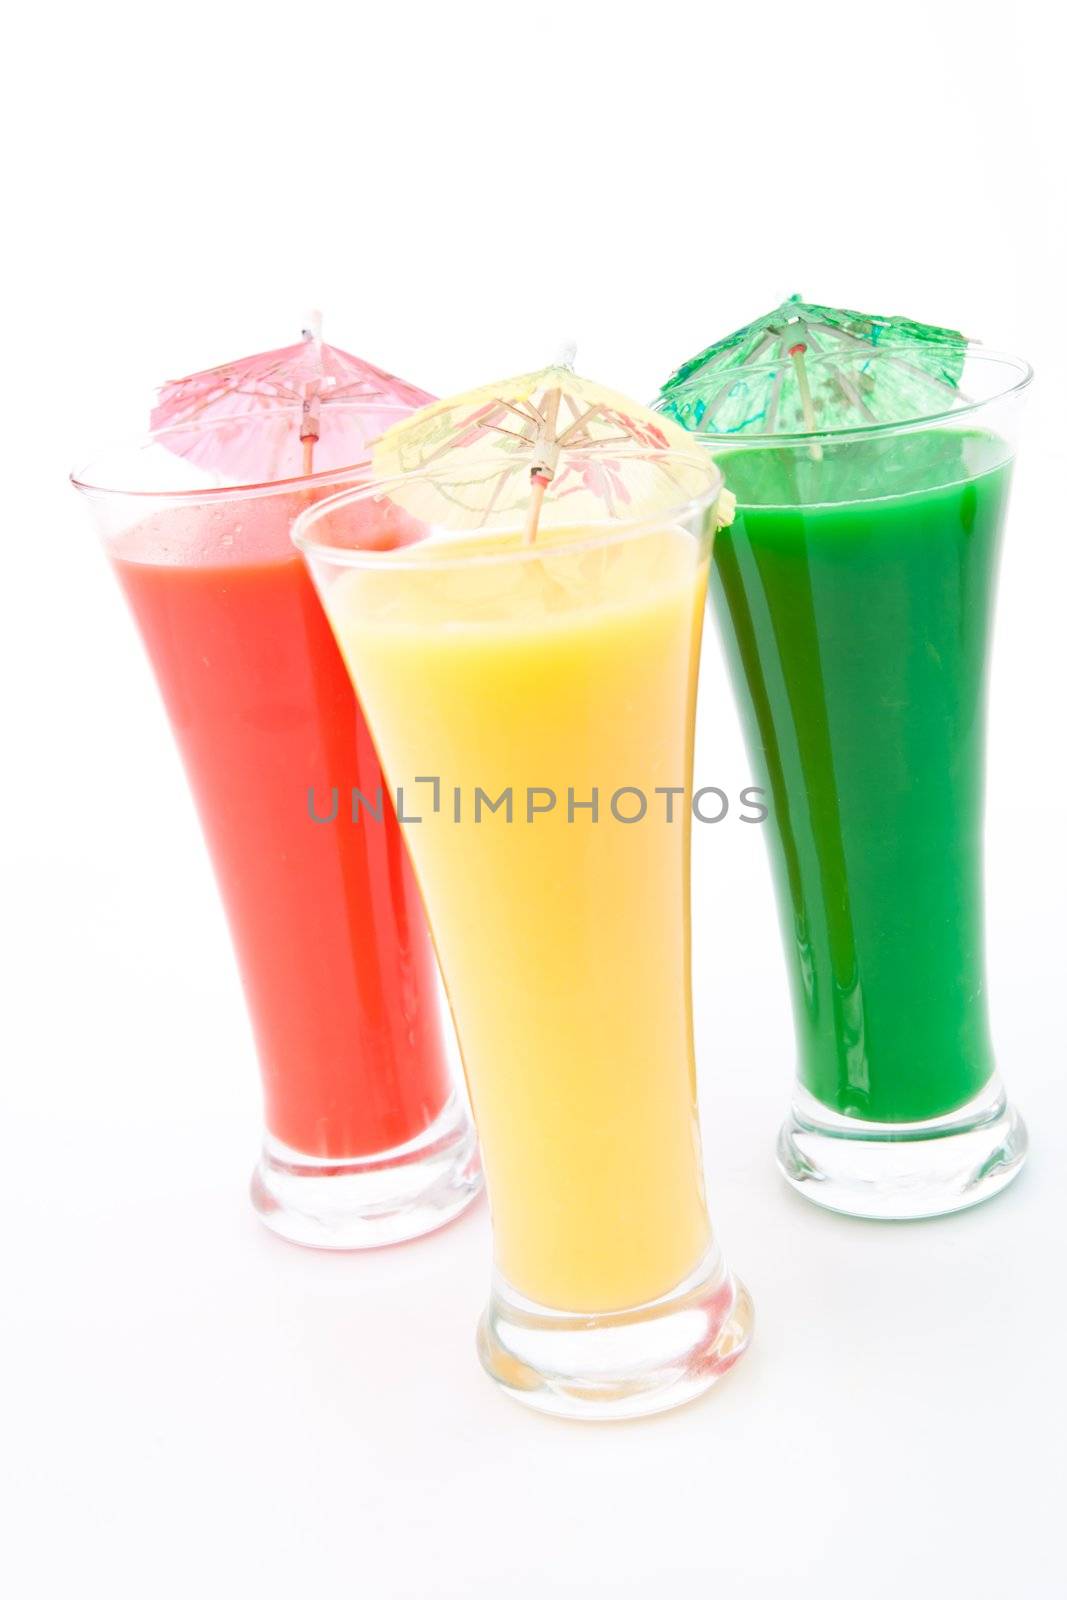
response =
{"points": [[502, 448], [285, 413], [804, 368]]}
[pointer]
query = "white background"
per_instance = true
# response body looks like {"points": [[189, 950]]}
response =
{"points": [[191, 1406]]}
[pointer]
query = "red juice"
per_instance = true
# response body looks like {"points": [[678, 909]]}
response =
{"points": [[325, 916]]}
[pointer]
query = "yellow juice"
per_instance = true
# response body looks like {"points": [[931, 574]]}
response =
{"points": [[563, 941]]}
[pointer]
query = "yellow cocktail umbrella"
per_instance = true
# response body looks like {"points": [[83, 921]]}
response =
{"points": [[547, 444]]}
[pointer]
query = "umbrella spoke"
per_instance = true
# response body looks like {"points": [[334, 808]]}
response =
{"points": [[524, 416], [509, 433], [932, 377], [576, 427], [601, 444], [533, 414], [720, 393], [853, 395], [503, 478], [759, 348]]}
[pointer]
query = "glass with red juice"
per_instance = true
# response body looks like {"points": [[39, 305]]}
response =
{"points": [[368, 1139]]}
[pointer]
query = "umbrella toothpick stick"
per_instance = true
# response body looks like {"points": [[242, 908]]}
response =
{"points": [[797, 353], [543, 466], [309, 430], [538, 484], [309, 421]]}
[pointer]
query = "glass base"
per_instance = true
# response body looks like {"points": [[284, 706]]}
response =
{"points": [[367, 1201], [617, 1364], [901, 1170]]}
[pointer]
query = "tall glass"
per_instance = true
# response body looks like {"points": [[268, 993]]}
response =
{"points": [[534, 704], [368, 1139], [855, 589]]}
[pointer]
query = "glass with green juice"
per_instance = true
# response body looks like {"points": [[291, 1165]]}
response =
{"points": [[855, 590]]}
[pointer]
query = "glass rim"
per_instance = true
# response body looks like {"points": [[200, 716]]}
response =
{"points": [[1023, 376], [604, 532], [128, 446]]}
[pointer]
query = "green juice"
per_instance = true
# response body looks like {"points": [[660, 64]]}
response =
{"points": [[855, 593]]}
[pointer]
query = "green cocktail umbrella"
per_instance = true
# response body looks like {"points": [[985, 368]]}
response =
{"points": [[806, 369]]}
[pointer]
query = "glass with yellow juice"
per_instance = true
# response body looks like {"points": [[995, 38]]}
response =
{"points": [[533, 707]]}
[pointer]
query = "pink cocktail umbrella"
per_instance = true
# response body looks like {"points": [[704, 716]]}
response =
{"points": [[283, 414]]}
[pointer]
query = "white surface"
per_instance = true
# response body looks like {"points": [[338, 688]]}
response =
{"points": [[193, 1408]]}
